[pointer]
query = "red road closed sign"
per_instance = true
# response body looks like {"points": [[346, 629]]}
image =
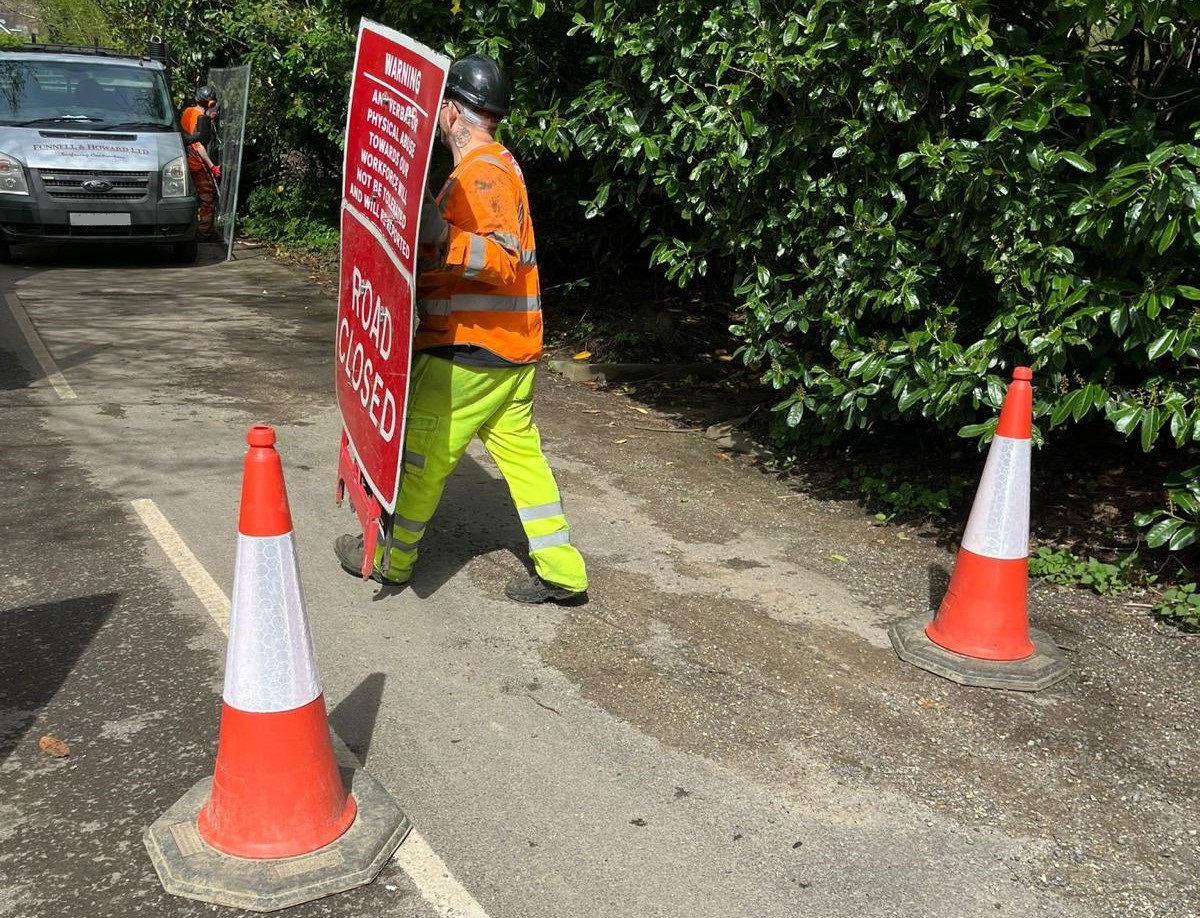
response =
{"points": [[394, 99]]}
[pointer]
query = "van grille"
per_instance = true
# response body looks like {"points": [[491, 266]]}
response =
{"points": [[68, 184]]}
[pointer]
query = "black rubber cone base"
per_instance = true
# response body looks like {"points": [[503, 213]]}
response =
{"points": [[188, 867], [1041, 670]]}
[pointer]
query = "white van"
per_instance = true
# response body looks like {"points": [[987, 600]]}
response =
{"points": [[90, 151]]}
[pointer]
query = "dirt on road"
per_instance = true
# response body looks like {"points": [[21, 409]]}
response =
{"points": [[720, 646], [755, 634]]}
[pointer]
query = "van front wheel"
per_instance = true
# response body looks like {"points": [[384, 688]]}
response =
{"points": [[185, 252]]}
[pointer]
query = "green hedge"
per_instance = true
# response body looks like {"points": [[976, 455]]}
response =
{"points": [[908, 198]]}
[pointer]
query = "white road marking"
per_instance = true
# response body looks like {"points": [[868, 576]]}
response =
{"points": [[49, 367], [429, 873], [434, 880], [211, 596]]}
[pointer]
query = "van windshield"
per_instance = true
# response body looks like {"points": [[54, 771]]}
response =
{"points": [[94, 94]]}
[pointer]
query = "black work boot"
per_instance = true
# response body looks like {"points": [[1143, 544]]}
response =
{"points": [[349, 551], [534, 589]]}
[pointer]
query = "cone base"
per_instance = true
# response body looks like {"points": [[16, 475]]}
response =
{"points": [[1044, 668], [190, 868]]}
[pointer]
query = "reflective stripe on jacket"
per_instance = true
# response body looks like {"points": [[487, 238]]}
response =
{"points": [[487, 292]]}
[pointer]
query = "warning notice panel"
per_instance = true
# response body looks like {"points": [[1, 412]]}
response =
{"points": [[394, 100]]}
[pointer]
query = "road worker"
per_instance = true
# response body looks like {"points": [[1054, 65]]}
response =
{"points": [[477, 344], [197, 123]]}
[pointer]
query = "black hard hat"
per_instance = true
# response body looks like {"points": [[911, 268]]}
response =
{"points": [[477, 80], [205, 94]]}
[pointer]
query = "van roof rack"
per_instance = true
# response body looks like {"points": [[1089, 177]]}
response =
{"points": [[78, 49]]}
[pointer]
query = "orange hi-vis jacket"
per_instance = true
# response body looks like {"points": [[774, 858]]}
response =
{"points": [[487, 292], [189, 120]]}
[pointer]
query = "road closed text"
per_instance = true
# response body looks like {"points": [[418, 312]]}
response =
{"points": [[364, 343]]}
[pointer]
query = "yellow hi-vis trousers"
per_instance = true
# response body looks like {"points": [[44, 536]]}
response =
{"points": [[448, 405]]}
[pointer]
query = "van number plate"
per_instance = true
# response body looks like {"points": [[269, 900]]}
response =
{"points": [[100, 219]]}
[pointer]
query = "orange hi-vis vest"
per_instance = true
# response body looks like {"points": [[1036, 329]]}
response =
{"points": [[189, 119], [487, 292]]}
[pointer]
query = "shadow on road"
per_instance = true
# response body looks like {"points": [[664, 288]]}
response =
{"points": [[109, 255], [476, 516], [354, 719], [939, 582], [39, 646]]}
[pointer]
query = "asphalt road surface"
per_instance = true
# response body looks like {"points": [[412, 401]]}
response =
{"points": [[722, 732]]}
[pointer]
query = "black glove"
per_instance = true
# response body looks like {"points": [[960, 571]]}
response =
{"points": [[433, 228]]}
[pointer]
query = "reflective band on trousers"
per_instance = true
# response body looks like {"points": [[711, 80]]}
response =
{"points": [[405, 523], [545, 511], [480, 302], [999, 523], [269, 662], [416, 460], [562, 537]]}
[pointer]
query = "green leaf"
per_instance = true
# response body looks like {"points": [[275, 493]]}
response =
{"points": [[1126, 419], [1077, 161], [1168, 235], [1162, 344], [1184, 536], [1160, 533], [910, 398], [1063, 407], [1151, 419]]}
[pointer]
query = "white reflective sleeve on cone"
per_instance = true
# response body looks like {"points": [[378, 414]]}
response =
{"points": [[270, 664], [999, 523]]}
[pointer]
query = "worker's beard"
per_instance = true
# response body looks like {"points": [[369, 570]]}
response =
{"points": [[442, 131]]}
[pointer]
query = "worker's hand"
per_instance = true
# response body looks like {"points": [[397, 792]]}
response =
{"points": [[433, 228], [216, 171]]}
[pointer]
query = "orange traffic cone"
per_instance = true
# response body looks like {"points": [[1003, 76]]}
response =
{"points": [[984, 615], [275, 825], [276, 791]]}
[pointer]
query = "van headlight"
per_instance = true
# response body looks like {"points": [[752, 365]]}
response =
{"points": [[175, 182], [12, 176]]}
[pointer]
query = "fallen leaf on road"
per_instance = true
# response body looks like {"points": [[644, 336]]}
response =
{"points": [[930, 703], [722, 457], [622, 440], [641, 410], [583, 355], [54, 747], [840, 559]]}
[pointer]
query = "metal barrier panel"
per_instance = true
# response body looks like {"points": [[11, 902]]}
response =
{"points": [[233, 91]]}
